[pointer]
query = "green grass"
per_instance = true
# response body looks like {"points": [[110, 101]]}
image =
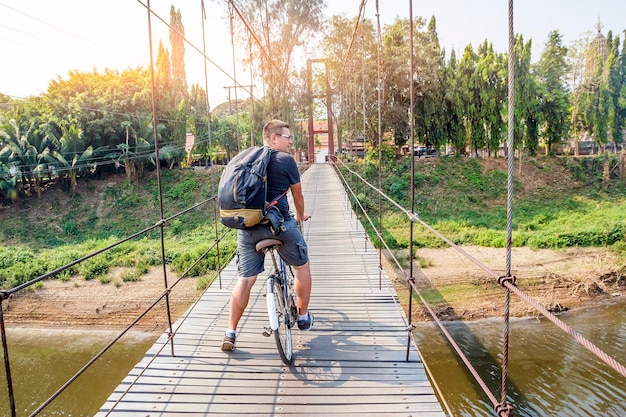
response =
{"points": [[59, 229], [557, 203], [463, 198]]}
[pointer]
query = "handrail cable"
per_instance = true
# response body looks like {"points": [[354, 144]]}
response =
{"points": [[413, 287], [165, 294], [364, 166], [258, 42], [414, 217], [181, 321], [373, 226], [97, 356], [4, 294], [388, 284]]}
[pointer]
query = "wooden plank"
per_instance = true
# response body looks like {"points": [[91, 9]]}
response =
{"points": [[351, 363]]}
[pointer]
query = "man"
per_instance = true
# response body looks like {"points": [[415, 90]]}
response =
{"points": [[282, 175]]}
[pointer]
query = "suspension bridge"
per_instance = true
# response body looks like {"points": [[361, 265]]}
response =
{"points": [[357, 359]]}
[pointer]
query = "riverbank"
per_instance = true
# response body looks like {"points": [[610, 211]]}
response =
{"points": [[559, 280], [457, 289]]}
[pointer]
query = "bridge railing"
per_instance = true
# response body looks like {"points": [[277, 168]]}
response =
{"points": [[167, 289], [508, 283]]}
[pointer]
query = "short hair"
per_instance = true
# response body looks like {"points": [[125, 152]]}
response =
{"points": [[273, 126]]}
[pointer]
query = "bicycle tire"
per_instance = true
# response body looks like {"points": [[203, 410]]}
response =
{"points": [[282, 334]]}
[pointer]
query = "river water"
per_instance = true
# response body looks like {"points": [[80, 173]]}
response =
{"points": [[43, 360], [549, 373]]}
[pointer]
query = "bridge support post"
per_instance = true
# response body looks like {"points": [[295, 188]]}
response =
{"points": [[329, 114]]}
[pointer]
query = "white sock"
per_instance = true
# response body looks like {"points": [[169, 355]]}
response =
{"points": [[305, 317], [231, 333]]}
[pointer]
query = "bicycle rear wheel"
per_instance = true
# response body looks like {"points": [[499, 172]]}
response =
{"points": [[283, 333]]}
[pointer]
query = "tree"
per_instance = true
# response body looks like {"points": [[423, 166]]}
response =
{"points": [[199, 121], [352, 62], [453, 106], [614, 86], [551, 71], [470, 86], [279, 26], [492, 75], [73, 158], [577, 57], [177, 40], [138, 151], [429, 65], [99, 103], [29, 152], [225, 135]]}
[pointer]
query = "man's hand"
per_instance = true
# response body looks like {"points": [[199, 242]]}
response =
{"points": [[304, 217]]}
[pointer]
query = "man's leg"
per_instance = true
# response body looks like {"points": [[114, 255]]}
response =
{"points": [[303, 287], [238, 303], [303, 292], [239, 300]]}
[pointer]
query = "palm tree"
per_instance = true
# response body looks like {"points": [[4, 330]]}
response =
{"points": [[27, 154], [8, 177], [135, 158], [71, 158]]}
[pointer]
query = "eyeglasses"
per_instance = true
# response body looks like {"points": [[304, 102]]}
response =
{"points": [[283, 135]]}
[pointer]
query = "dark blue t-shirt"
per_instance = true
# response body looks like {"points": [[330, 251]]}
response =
{"points": [[282, 172]]}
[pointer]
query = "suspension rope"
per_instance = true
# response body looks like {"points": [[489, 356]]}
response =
{"points": [[504, 409], [380, 140], [412, 134], [210, 139], [352, 39], [258, 42], [232, 44], [190, 43], [158, 172]]}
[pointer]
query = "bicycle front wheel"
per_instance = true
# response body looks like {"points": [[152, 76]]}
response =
{"points": [[283, 333]]}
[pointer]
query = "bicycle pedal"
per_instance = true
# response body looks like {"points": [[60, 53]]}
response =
{"points": [[267, 331]]}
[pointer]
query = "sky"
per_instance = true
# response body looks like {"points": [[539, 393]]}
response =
{"points": [[42, 40]]}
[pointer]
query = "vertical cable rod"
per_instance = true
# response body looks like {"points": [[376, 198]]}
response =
{"points": [[210, 137], [158, 170], [412, 133]]}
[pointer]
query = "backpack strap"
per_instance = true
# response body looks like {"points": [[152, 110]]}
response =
{"points": [[275, 201]]}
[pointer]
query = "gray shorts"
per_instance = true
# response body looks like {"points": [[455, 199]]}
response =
{"points": [[250, 262]]}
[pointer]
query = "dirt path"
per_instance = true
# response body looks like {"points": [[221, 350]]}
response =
{"points": [[557, 279]]}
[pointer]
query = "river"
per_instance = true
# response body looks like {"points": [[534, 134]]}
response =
{"points": [[43, 360], [549, 373]]}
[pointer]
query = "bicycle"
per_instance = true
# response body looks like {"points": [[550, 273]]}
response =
{"points": [[282, 305]]}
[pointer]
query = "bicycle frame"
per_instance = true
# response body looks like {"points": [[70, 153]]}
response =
{"points": [[281, 305]]}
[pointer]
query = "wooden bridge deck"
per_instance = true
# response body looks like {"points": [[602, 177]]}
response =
{"points": [[352, 362]]}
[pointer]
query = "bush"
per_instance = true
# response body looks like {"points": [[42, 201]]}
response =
{"points": [[94, 267]]}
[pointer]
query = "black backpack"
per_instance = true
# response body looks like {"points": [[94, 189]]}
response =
{"points": [[242, 191]]}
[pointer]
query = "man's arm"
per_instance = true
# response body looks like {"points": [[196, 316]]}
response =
{"points": [[298, 201]]}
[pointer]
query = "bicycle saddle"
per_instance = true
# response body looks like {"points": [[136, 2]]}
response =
{"points": [[266, 243]]}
